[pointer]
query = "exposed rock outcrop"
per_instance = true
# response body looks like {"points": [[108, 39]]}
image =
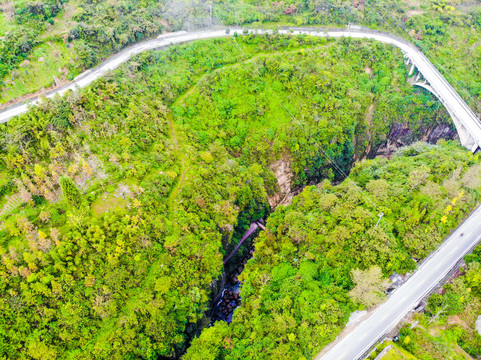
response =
{"points": [[284, 175], [402, 135]]}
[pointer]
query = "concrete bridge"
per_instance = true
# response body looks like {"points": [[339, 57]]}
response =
{"points": [[466, 122]]}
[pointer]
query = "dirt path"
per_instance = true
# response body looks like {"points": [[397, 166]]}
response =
{"points": [[181, 156], [180, 153]]}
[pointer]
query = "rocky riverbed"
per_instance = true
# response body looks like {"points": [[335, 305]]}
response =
{"points": [[230, 298]]}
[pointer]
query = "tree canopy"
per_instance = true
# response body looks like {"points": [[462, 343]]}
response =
{"points": [[118, 203]]}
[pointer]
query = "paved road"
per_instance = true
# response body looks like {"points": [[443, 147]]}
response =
{"points": [[114, 62], [433, 270], [448, 95]]}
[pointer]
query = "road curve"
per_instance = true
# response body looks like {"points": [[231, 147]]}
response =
{"points": [[431, 272], [89, 76], [449, 96]]}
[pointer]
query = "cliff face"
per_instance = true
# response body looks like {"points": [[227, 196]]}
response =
{"points": [[401, 135], [284, 175]]}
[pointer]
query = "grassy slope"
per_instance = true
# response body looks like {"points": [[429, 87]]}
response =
{"points": [[47, 61], [99, 18]]}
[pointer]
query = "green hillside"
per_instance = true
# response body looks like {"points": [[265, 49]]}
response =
{"points": [[128, 202], [120, 202], [43, 32]]}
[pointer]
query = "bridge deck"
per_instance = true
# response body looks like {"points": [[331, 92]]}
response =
{"points": [[456, 106]]}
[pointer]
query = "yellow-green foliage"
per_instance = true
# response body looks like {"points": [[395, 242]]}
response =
{"points": [[130, 283], [447, 329], [299, 279]]}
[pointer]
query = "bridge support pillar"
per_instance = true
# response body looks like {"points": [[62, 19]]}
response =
{"points": [[411, 71], [465, 137]]}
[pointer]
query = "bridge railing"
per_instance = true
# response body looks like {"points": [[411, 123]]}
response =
{"points": [[151, 44], [452, 90], [362, 29], [358, 29]]}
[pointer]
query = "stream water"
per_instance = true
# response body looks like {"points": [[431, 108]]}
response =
{"points": [[230, 298]]}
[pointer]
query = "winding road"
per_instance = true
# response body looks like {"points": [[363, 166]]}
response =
{"points": [[439, 263], [467, 123]]}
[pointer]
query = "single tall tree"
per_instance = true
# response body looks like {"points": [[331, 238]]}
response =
{"points": [[70, 191], [370, 286]]}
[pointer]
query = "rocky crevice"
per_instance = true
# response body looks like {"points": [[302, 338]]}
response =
{"points": [[284, 175], [402, 135]]}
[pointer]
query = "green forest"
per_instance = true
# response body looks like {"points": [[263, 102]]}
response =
{"points": [[46, 43], [119, 202], [298, 289]]}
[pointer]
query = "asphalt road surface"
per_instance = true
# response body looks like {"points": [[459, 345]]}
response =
{"points": [[451, 99], [431, 272]]}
